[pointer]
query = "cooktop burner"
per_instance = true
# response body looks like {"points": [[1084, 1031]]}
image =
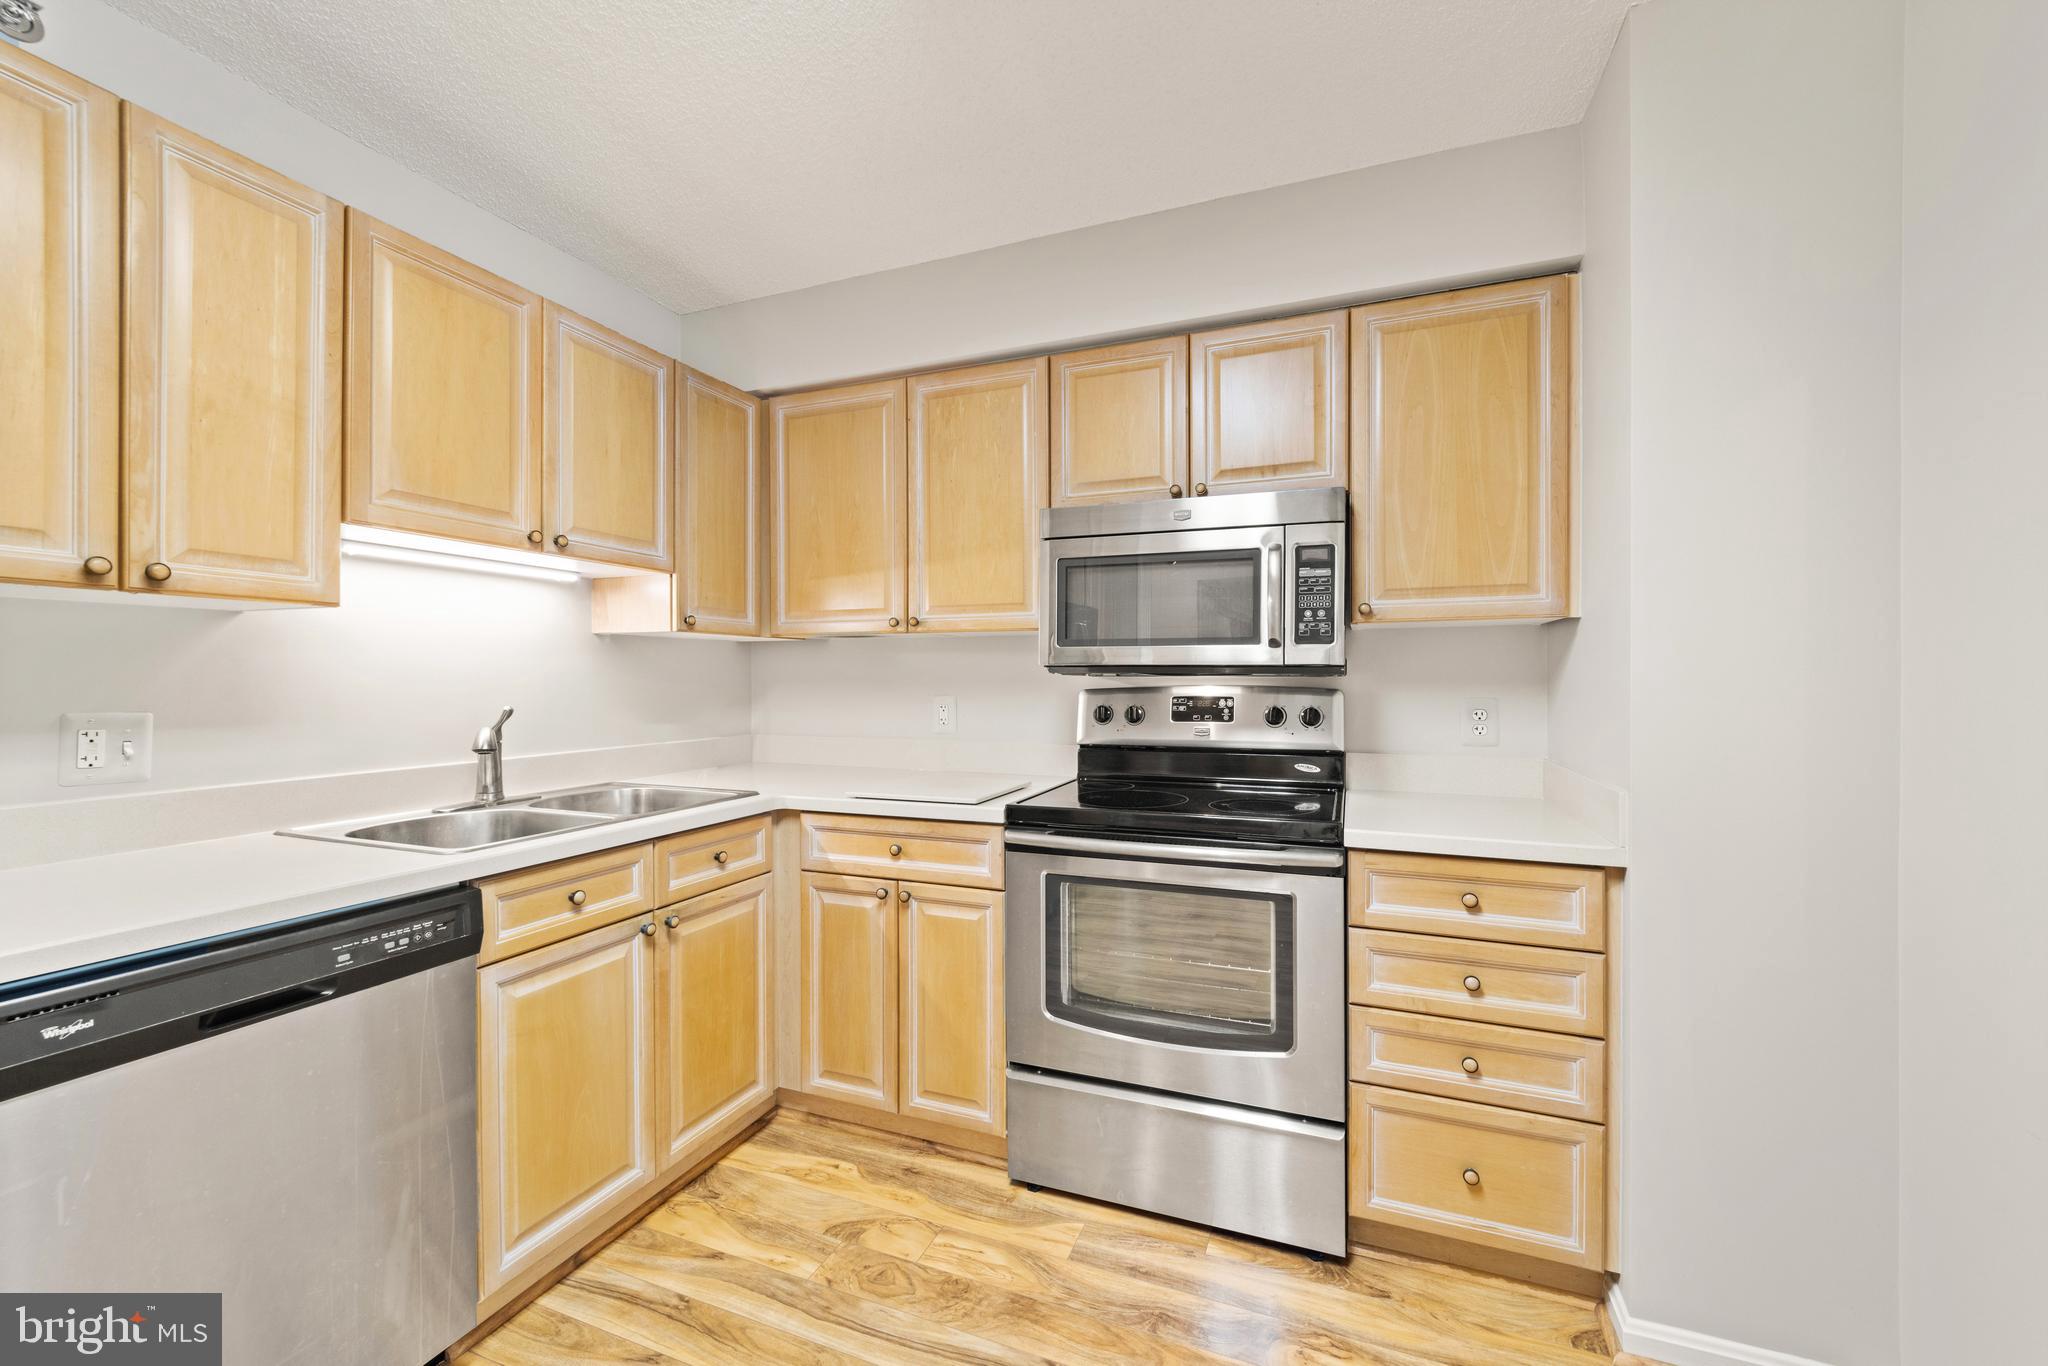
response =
{"points": [[1266, 806], [1128, 797]]}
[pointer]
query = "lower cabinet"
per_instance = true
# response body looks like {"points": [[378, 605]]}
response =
{"points": [[712, 1004], [902, 998]]}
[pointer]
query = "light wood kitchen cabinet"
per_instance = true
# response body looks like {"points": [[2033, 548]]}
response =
{"points": [[839, 554], [952, 1005], [1120, 422], [977, 481], [849, 933], [608, 444], [232, 386], [712, 1009], [565, 1103], [60, 299], [444, 393], [958, 853], [718, 544], [1461, 454], [1266, 405], [534, 907]]}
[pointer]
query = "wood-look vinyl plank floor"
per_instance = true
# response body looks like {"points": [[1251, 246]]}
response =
{"points": [[816, 1241]]}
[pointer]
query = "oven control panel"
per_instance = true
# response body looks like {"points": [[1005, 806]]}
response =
{"points": [[1315, 594], [1203, 709], [1223, 715]]}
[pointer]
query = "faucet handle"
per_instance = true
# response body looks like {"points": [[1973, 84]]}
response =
{"points": [[490, 737]]}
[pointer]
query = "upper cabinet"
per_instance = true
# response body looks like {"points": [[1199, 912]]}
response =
{"points": [[609, 448], [836, 510], [444, 393], [1266, 405], [1461, 454], [1120, 422], [60, 299], [977, 484], [232, 323], [718, 508]]}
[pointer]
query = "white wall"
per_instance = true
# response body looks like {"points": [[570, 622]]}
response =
{"points": [[1760, 1143], [1973, 943], [402, 673], [1492, 211]]}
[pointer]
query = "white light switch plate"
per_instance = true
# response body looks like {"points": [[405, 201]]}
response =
{"points": [[104, 747]]}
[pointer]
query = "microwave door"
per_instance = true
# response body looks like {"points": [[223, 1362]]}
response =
{"points": [[1184, 600]]}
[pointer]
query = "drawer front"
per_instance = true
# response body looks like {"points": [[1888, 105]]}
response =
{"points": [[1551, 1074], [1523, 1183], [921, 851], [699, 861], [1509, 984], [1512, 903], [537, 906]]}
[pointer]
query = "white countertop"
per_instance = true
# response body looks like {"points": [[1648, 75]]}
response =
{"points": [[55, 916]]}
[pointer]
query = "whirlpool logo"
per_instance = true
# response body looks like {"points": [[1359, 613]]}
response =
{"points": [[165, 1330], [65, 1031]]}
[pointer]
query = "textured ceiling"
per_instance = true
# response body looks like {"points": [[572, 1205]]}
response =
{"points": [[708, 151]]}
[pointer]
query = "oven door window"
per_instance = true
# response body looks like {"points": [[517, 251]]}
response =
{"points": [[1205, 597], [1177, 965]]}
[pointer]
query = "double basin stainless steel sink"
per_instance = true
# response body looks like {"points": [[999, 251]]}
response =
{"points": [[463, 829]]}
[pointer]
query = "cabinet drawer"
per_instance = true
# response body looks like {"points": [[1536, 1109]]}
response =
{"points": [[1552, 1074], [537, 906], [1523, 1183], [923, 851], [699, 861], [1508, 984], [1515, 903]]}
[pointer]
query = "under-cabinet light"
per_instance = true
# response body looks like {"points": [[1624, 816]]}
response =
{"points": [[379, 543], [434, 559]]}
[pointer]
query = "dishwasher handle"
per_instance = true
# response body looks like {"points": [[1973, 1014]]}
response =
{"points": [[280, 1002]]}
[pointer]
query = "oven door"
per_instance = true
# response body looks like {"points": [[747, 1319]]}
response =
{"points": [[1208, 971], [1173, 600]]}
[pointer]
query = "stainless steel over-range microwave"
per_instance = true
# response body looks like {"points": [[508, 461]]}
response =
{"points": [[1234, 583]]}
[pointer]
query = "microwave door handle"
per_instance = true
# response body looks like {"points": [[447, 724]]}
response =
{"points": [[1276, 590]]}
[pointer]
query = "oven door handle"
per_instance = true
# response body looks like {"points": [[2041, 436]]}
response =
{"points": [[1239, 856]]}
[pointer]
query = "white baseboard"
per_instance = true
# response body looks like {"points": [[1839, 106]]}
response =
{"points": [[1683, 1347]]}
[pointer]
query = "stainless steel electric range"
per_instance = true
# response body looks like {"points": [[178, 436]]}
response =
{"points": [[1175, 961]]}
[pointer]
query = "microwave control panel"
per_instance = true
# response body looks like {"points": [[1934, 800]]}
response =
{"points": [[1315, 594]]}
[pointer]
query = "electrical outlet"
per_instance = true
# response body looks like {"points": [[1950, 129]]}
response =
{"points": [[944, 714], [1479, 721], [104, 747]]}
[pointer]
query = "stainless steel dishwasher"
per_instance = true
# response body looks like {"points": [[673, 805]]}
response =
{"points": [[286, 1117]]}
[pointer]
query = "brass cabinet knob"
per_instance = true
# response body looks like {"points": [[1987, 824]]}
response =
{"points": [[1471, 1176], [156, 571], [1365, 609], [561, 542], [1471, 1066], [718, 857], [1174, 490], [1470, 901], [648, 929], [895, 851], [535, 536], [881, 893], [1201, 490], [895, 621], [1471, 984], [689, 619], [578, 897], [903, 894], [97, 565], [913, 623], [671, 920]]}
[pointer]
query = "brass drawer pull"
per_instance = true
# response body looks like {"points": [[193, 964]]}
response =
{"points": [[98, 565], [903, 894], [881, 893], [690, 619], [1471, 1176], [1201, 490], [578, 897], [671, 920], [562, 543], [1470, 900], [1471, 983], [648, 929], [1173, 490], [895, 621], [535, 536], [1471, 1066], [913, 623], [156, 571], [895, 851], [718, 857]]}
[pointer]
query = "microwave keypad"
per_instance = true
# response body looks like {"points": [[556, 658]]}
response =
{"points": [[1315, 594]]}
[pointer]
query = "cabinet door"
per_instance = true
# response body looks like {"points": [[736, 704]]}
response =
{"points": [[1461, 454], [849, 989], [60, 299], [232, 432], [609, 415], [444, 380], [712, 1026], [977, 483], [953, 1005], [1267, 407], [839, 554], [1120, 422], [564, 1095], [718, 545]]}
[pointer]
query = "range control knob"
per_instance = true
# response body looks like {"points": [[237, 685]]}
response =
{"points": [[1134, 713], [1104, 713], [1276, 716], [1311, 717]]}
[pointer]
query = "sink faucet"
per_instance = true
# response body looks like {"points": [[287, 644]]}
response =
{"points": [[489, 748]]}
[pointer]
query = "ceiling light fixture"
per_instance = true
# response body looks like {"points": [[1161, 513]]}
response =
{"points": [[21, 20]]}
